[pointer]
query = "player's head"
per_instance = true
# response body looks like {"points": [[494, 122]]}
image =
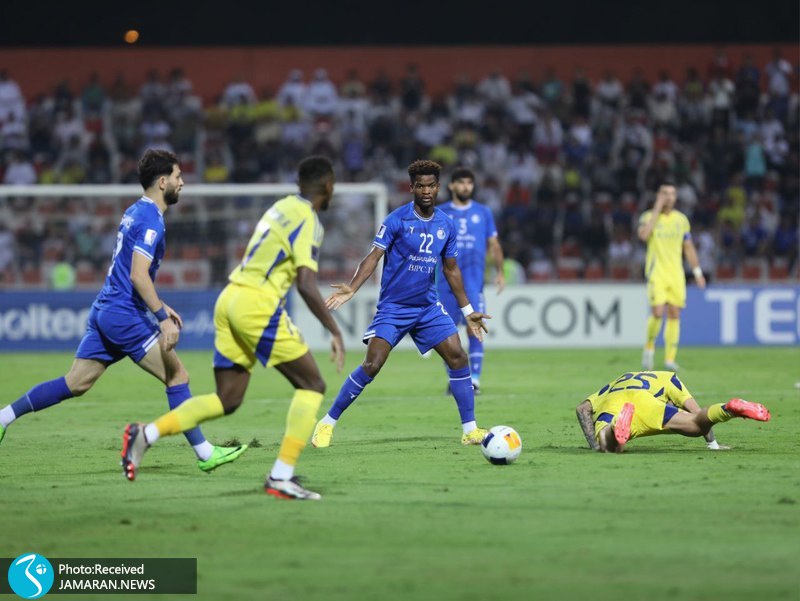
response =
{"points": [[462, 183], [316, 178], [424, 176], [670, 194], [159, 172]]}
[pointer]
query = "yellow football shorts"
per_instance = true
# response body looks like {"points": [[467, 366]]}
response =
{"points": [[667, 291], [648, 415], [252, 325]]}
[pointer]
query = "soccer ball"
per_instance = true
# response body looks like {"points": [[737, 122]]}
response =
{"points": [[41, 569], [502, 445]]}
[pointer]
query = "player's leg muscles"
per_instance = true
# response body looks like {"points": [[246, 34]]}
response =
{"points": [[303, 373], [378, 351], [165, 365], [689, 424], [452, 352], [83, 374], [231, 385]]}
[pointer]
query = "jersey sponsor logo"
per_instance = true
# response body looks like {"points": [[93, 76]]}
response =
{"points": [[476, 219], [150, 237], [440, 234], [381, 231], [315, 253]]}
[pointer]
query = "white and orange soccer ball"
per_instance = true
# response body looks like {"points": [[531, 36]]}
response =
{"points": [[502, 445]]}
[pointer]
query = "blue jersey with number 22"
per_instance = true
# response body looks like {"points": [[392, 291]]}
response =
{"points": [[413, 246]]}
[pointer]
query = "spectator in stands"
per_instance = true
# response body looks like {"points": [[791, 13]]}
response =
{"points": [[779, 73], [12, 102], [93, 97], [412, 89], [152, 93], [754, 238], [20, 171], [238, 92], [321, 98]]}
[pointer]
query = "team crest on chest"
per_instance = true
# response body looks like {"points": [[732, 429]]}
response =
{"points": [[476, 219], [440, 234]]}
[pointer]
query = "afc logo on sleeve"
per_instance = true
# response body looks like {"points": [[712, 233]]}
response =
{"points": [[150, 237], [381, 231]]}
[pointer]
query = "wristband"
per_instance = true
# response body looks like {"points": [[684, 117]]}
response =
{"points": [[467, 310], [161, 314], [698, 273]]}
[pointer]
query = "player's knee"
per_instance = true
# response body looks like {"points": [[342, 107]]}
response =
{"points": [[371, 367], [80, 388], [317, 384], [458, 360], [231, 403], [180, 376]]}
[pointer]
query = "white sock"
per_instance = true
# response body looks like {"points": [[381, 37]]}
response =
{"points": [[281, 471], [151, 433], [204, 450], [469, 427], [7, 416], [329, 420]]}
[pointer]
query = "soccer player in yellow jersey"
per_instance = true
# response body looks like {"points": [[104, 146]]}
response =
{"points": [[667, 234], [633, 406], [665, 386], [252, 325]]}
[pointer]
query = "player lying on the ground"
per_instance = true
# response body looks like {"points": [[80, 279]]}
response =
{"points": [[667, 388], [629, 409], [128, 319]]}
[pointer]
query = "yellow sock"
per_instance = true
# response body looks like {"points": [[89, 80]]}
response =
{"points": [[300, 421], [717, 414], [653, 327], [672, 334], [189, 414]]}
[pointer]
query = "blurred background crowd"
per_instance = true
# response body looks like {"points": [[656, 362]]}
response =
{"points": [[565, 163]]}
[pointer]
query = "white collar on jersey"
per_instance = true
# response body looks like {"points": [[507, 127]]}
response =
{"points": [[152, 202], [420, 217], [461, 207]]}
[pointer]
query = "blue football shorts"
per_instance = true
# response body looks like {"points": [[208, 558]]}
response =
{"points": [[428, 326], [112, 336]]}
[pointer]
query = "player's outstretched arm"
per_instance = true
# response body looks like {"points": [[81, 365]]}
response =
{"points": [[140, 278], [584, 413], [308, 289], [344, 292], [474, 318]]}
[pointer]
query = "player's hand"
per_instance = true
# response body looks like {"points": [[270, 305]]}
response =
{"points": [[337, 352], [173, 314], [661, 200], [343, 294], [475, 324], [169, 334], [701, 281], [500, 282]]}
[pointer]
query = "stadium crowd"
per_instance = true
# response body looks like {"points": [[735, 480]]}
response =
{"points": [[566, 164]]}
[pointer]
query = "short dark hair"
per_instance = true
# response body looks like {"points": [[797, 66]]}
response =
{"points": [[462, 173], [154, 164], [421, 167], [312, 170]]}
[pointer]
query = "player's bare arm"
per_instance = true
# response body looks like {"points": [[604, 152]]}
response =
{"points": [[646, 230], [690, 252], [497, 257], [453, 275], [584, 413], [344, 292], [307, 288], [140, 278]]}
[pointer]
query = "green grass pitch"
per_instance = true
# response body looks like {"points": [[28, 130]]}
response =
{"points": [[407, 512]]}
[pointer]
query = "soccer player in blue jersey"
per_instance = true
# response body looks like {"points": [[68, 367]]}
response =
{"points": [[475, 233], [128, 319], [411, 241]]}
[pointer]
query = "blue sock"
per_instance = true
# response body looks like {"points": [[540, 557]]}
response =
{"points": [[176, 395], [42, 396], [461, 387], [352, 387], [475, 358]]}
